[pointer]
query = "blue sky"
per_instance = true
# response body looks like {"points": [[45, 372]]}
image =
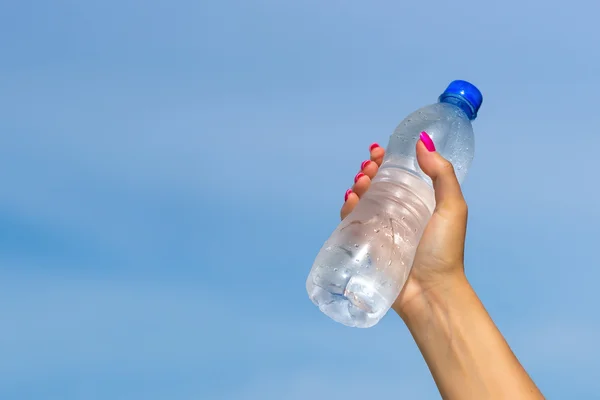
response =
{"points": [[171, 168]]}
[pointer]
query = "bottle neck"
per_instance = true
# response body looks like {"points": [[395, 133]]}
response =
{"points": [[460, 103]]}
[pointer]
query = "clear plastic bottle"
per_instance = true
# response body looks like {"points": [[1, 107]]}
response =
{"points": [[364, 264]]}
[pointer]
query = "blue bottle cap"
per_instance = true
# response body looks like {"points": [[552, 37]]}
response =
{"points": [[465, 91]]}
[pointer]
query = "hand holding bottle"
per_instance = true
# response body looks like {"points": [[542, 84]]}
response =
{"points": [[439, 256]]}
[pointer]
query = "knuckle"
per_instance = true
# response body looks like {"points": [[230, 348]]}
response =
{"points": [[457, 207], [447, 167], [463, 207], [460, 207]]}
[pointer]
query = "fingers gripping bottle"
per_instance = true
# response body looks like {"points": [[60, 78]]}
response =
{"points": [[363, 266]]}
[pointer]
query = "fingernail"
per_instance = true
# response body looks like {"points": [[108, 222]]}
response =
{"points": [[358, 176], [373, 146], [426, 139], [364, 164], [347, 194]]}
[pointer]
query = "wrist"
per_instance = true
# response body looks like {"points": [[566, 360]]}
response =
{"points": [[434, 294], [462, 346]]}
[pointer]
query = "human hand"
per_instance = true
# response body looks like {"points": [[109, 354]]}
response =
{"points": [[439, 257]]}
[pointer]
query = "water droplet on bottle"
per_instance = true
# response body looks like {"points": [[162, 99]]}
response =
{"points": [[356, 245], [375, 230], [335, 270]]}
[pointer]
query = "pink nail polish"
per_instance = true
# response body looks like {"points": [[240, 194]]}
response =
{"points": [[347, 194], [358, 176], [364, 164], [426, 139], [373, 146]]}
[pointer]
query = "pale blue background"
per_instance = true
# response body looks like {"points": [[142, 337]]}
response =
{"points": [[169, 170]]}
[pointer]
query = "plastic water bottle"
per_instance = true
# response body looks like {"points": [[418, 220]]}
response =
{"points": [[362, 267]]}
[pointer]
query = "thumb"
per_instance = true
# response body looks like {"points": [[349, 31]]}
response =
{"points": [[448, 195]]}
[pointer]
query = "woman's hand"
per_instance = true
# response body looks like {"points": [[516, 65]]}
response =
{"points": [[439, 257], [466, 353]]}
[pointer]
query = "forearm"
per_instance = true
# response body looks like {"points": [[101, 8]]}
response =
{"points": [[466, 353]]}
